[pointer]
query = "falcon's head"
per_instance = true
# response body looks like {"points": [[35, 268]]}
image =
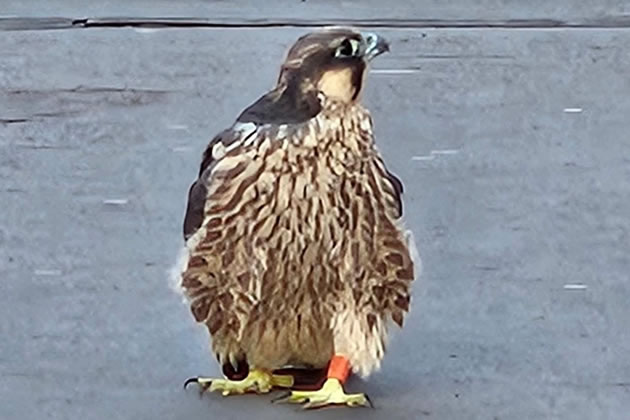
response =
{"points": [[333, 61]]}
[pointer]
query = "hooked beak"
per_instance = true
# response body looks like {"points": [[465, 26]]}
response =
{"points": [[375, 45]]}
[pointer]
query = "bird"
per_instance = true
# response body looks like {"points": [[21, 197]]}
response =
{"points": [[296, 253]]}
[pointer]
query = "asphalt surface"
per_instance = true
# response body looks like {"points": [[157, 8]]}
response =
{"points": [[513, 145]]}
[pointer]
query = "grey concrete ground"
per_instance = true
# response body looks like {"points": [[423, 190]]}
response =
{"points": [[513, 144]]}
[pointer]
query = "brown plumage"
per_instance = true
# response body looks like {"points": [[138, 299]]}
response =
{"points": [[294, 245]]}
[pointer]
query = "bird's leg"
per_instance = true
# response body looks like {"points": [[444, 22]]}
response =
{"points": [[257, 380], [331, 392]]}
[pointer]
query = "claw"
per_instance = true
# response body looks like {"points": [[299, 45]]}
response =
{"points": [[203, 385], [190, 381], [281, 398], [369, 401], [313, 405]]}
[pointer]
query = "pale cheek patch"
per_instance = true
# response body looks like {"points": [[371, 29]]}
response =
{"points": [[337, 84]]}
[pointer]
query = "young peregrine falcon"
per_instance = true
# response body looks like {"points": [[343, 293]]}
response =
{"points": [[295, 252]]}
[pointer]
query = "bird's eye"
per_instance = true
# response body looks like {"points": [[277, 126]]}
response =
{"points": [[348, 48]]}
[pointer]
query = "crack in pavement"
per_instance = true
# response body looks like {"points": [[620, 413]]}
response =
{"points": [[46, 23]]}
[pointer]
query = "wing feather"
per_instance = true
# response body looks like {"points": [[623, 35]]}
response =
{"points": [[198, 190], [398, 190]]}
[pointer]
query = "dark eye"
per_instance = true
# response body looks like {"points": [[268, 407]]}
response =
{"points": [[347, 48]]}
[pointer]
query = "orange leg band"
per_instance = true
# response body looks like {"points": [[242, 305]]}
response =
{"points": [[339, 368]]}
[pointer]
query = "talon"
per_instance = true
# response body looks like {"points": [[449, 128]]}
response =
{"points": [[190, 381], [279, 399], [314, 405], [369, 401]]}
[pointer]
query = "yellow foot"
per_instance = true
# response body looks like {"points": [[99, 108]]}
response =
{"points": [[331, 393], [257, 380]]}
